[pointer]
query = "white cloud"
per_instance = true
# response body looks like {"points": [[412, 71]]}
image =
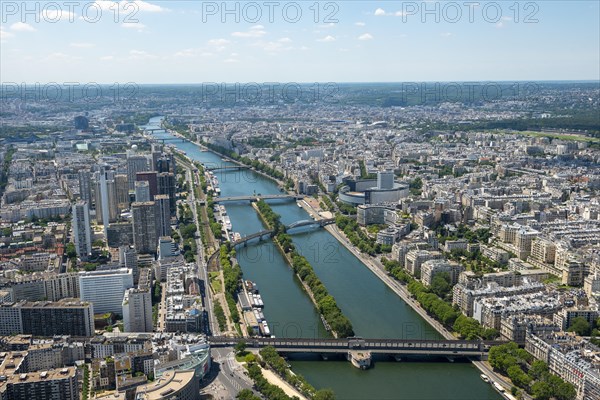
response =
{"points": [[500, 24], [274, 47], [5, 34], [446, 34], [254, 32], [144, 6], [22, 27], [129, 6], [218, 42], [380, 12], [54, 15], [285, 40], [61, 57], [134, 25], [140, 55], [186, 53], [231, 60], [107, 58], [360, 23], [365, 36], [327, 38], [81, 45]]}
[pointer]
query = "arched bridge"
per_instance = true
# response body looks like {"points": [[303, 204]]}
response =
{"points": [[259, 235], [257, 197], [228, 167], [397, 347], [308, 222]]}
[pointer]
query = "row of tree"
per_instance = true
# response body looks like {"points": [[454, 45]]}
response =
{"points": [[326, 304], [274, 361], [232, 275], [532, 376], [259, 166], [268, 357], [468, 328], [359, 238]]}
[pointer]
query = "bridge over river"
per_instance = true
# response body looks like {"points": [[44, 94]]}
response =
{"points": [[269, 233], [253, 198], [351, 347]]}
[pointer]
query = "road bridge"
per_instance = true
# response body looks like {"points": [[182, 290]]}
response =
{"points": [[260, 235], [228, 167], [254, 198], [394, 347]]}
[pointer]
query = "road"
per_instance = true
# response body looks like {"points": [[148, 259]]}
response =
{"points": [[201, 266], [231, 376]]}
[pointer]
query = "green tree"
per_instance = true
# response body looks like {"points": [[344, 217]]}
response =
{"points": [[240, 347], [324, 394], [580, 326], [440, 284], [246, 394], [70, 251], [538, 369]]}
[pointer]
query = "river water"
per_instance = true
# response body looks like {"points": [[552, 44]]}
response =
{"points": [[374, 310]]}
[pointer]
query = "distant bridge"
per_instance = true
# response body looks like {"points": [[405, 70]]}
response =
{"points": [[228, 167], [169, 140], [259, 197], [394, 347], [259, 235]]}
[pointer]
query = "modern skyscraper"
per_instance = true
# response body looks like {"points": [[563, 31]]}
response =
{"points": [[85, 186], [151, 178], [81, 123], [128, 259], [166, 248], [145, 227], [163, 164], [82, 231], [166, 185], [105, 289], [64, 317], [142, 191], [137, 310], [163, 214], [135, 164], [107, 209], [122, 187], [55, 384]]}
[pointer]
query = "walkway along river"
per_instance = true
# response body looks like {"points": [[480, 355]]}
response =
{"points": [[374, 310]]}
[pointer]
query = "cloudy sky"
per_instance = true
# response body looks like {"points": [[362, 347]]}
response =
{"points": [[302, 41]]}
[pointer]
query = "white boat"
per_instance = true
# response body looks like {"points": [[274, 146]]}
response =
{"points": [[485, 378], [266, 329], [499, 388]]}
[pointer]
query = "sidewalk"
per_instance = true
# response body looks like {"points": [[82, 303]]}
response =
{"points": [[274, 379]]}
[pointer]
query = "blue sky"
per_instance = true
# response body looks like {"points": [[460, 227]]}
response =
{"points": [[188, 42]]}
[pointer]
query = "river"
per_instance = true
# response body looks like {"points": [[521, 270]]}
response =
{"points": [[374, 310]]}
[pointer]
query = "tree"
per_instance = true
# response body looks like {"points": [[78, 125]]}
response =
{"points": [[440, 284], [580, 326], [246, 394], [538, 369], [70, 251], [324, 394], [240, 347]]}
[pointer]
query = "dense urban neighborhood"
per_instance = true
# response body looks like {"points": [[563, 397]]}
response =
{"points": [[185, 243]]}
